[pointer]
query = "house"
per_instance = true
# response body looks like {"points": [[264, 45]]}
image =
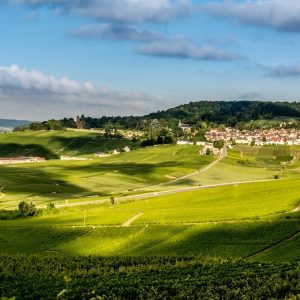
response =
{"points": [[209, 147], [127, 149], [184, 127], [183, 142], [67, 157]]}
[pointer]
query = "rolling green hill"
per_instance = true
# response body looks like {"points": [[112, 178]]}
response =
{"points": [[180, 220], [52, 144]]}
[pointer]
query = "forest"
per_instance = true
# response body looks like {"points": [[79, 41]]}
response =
{"points": [[229, 113]]}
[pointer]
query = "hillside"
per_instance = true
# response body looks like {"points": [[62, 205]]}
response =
{"points": [[152, 216], [53, 144], [231, 113]]}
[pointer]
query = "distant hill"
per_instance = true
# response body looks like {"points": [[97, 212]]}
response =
{"points": [[11, 123], [220, 112], [229, 113]]}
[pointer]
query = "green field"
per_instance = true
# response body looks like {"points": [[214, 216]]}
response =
{"points": [[97, 178], [181, 221], [225, 222], [236, 209]]}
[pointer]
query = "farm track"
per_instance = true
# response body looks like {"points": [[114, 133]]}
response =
{"points": [[199, 171], [131, 220], [296, 209], [288, 238]]}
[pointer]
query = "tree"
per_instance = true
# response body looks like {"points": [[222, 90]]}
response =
{"points": [[160, 140], [112, 200], [208, 151], [169, 140], [27, 210], [50, 207], [219, 144]]}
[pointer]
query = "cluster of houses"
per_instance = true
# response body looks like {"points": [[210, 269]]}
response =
{"points": [[208, 148], [258, 137], [20, 160]]}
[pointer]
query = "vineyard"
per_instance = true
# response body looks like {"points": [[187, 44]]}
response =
{"points": [[51, 277], [160, 222]]}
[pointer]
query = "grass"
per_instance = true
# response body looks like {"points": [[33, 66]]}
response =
{"points": [[116, 175], [223, 240], [234, 221], [52, 144], [226, 222], [228, 203]]}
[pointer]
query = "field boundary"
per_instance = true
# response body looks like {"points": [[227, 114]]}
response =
{"points": [[290, 237]]}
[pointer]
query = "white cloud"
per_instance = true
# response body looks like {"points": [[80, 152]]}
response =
{"points": [[35, 95], [132, 11], [279, 14]]}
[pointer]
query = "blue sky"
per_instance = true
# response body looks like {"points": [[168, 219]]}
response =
{"points": [[131, 57]]}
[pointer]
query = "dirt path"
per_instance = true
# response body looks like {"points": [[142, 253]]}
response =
{"points": [[66, 146], [131, 220], [201, 170], [296, 209]]}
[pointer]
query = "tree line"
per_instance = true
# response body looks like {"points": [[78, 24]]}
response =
{"points": [[232, 113]]}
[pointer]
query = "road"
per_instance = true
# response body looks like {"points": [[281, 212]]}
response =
{"points": [[156, 194], [202, 170]]}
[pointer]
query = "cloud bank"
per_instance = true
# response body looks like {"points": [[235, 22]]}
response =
{"points": [[116, 32], [181, 48], [32, 94], [277, 14], [284, 71]]}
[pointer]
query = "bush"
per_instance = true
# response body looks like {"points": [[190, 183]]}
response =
{"points": [[9, 214]]}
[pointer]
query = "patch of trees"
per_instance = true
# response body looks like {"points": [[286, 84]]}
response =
{"points": [[219, 144], [25, 210]]}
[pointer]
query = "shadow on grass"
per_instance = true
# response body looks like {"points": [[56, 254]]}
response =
{"points": [[37, 182], [90, 144], [222, 240], [15, 150]]}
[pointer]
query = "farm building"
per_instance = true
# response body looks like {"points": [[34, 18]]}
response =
{"points": [[20, 160], [67, 157]]}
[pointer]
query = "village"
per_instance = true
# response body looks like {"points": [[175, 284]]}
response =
{"points": [[230, 137], [259, 137]]}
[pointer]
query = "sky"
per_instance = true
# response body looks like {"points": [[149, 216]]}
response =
{"points": [[62, 58]]}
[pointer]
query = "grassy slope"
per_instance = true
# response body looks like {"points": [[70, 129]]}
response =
{"points": [[153, 236], [52, 144], [163, 228], [121, 174]]}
